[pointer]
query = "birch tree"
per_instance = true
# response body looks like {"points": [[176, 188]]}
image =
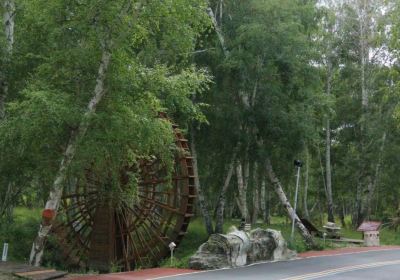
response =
{"points": [[219, 220], [77, 136], [369, 19], [10, 194], [202, 202], [329, 27], [242, 175], [254, 85], [8, 27], [286, 204], [200, 194], [53, 202], [86, 51]]}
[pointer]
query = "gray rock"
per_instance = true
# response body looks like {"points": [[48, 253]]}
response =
{"points": [[281, 252], [262, 246], [238, 248]]}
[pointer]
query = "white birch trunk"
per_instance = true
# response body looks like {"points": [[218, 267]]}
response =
{"points": [[246, 176], [8, 23], [263, 198], [242, 191], [256, 196], [200, 195], [328, 172], [374, 183], [365, 180], [363, 52], [6, 208], [308, 239], [218, 31], [256, 204], [54, 199], [306, 183], [222, 197], [322, 171]]}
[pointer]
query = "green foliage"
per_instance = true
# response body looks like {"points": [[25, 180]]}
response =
{"points": [[264, 99], [20, 234], [54, 70]]}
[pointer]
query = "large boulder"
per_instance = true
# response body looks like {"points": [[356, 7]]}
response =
{"points": [[238, 248]]}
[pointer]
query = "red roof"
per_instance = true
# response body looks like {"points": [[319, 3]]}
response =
{"points": [[369, 226]]}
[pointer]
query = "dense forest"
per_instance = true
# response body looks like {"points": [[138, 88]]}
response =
{"points": [[253, 84]]}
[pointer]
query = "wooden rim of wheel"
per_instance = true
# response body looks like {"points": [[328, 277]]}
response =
{"points": [[93, 234]]}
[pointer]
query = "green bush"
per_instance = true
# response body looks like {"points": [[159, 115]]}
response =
{"points": [[20, 235]]}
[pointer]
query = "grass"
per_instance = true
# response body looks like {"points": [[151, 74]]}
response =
{"points": [[389, 237], [21, 233], [197, 235]]}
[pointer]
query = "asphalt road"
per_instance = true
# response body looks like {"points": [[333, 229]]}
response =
{"points": [[375, 265]]}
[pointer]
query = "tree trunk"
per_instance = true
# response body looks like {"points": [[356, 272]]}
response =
{"points": [[256, 204], [246, 175], [256, 196], [305, 197], [242, 190], [342, 216], [355, 220], [8, 203], [363, 52], [308, 239], [331, 217], [322, 171], [230, 209], [8, 22], [328, 166], [222, 198], [373, 184], [218, 31], [200, 195], [264, 205], [6, 210], [365, 180], [268, 206], [54, 199]]}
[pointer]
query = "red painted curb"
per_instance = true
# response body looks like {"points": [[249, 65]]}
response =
{"points": [[342, 251], [138, 275]]}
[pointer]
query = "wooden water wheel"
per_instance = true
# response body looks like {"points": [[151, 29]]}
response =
{"points": [[95, 232]]}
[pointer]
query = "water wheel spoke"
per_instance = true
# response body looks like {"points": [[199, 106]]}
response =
{"points": [[125, 249], [157, 181], [83, 213], [132, 242], [162, 218], [73, 195], [151, 230], [137, 223], [163, 205]]}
